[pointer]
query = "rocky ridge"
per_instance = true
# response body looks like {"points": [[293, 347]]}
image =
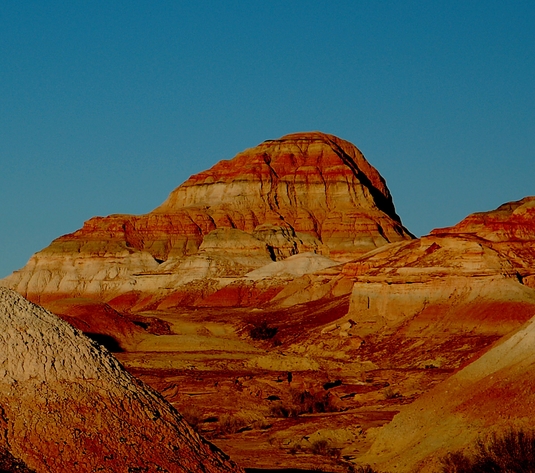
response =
{"points": [[508, 230]]}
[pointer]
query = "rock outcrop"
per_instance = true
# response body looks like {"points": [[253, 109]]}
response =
{"points": [[510, 230], [306, 192], [279, 268], [482, 265], [429, 278], [67, 405]]}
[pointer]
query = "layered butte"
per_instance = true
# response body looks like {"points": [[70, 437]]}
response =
{"points": [[305, 192]]}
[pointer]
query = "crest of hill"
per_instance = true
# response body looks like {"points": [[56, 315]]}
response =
{"points": [[68, 405], [509, 229], [296, 159], [311, 185], [512, 221]]}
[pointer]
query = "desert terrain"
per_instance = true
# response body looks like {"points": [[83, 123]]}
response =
{"points": [[279, 305]]}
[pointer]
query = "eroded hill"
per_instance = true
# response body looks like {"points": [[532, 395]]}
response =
{"points": [[277, 301]]}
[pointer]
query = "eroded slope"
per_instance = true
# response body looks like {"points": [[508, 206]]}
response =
{"points": [[306, 192], [68, 405]]}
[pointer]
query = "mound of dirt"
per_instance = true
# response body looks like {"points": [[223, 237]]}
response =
{"points": [[67, 405]]}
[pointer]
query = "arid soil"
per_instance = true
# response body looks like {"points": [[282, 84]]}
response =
{"points": [[67, 405], [278, 303], [248, 395]]}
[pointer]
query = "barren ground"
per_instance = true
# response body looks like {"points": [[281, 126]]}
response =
{"points": [[246, 395]]}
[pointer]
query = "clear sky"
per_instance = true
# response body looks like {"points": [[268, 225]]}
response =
{"points": [[106, 106]]}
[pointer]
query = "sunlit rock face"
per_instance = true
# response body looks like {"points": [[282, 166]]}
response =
{"points": [[424, 284], [457, 301], [67, 405], [510, 230], [485, 263], [309, 184], [306, 192]]}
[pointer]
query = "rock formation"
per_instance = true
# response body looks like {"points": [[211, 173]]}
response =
{"points": [[306, 192], [510, 230], [433, 276], [431, 303], [67, 405], [283, 274], [468, 277], [440, 302]]}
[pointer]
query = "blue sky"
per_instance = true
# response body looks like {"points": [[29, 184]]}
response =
{"points": [[106, 106]]}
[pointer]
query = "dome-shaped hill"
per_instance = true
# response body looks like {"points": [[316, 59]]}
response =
{"points": [[305, 192], [312, 183]]}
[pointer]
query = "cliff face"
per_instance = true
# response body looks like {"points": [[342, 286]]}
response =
{"points": [[67, 404], [306, 192]]}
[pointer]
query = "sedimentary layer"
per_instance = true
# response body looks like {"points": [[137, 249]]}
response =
{"points": [[306, 192]]}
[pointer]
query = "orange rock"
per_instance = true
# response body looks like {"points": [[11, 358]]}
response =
{"points": [[510, 230], [310, 183], [468, 276], [495, 393], [306, 192], [98, 321]]}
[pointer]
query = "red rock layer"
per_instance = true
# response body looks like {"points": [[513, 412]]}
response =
{"points": [[304, 192], [312, 184], [510, 230], [512, 221]]}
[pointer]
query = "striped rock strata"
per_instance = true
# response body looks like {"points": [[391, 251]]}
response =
{"points": [[306, 192]]}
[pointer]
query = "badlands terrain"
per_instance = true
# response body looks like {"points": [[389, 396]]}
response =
{"points": [[277, 304]]}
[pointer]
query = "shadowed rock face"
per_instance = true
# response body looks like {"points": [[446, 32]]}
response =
{"points": [[306, 192], [67, 405]]}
